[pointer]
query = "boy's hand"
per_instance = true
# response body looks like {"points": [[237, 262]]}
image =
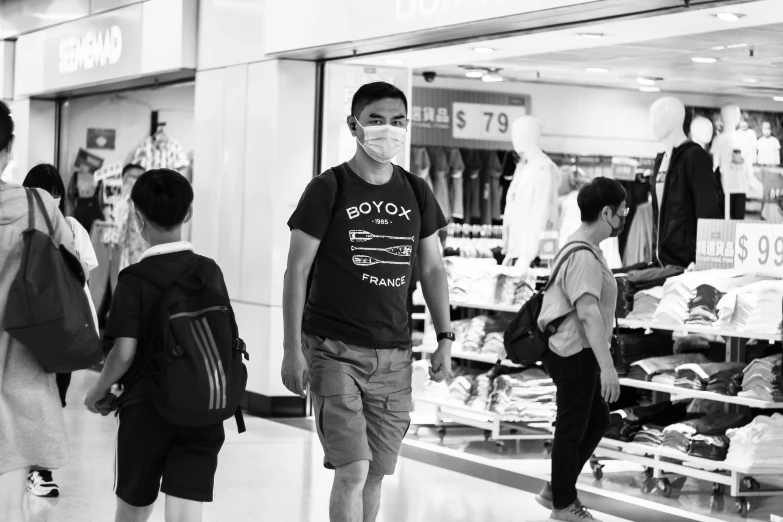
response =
{"points": [[95, 396]]}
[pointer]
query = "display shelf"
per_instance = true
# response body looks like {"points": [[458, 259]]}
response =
{"points": [[418, 300], [697, 394], [699, 329], [457, 353]]}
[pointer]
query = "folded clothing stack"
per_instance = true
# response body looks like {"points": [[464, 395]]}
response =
{"points": [[679, 436], [528, 395], [646, 369], [712, 447], [484, 281], [703, 308], [649, 435], [475, 333], [635, 346], [753, 308], [645, 303], [759, 445], [697, 376], [461, 389], [762, 379], [626, 423]]}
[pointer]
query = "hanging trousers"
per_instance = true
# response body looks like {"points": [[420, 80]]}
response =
{"points": [[582, 420]]}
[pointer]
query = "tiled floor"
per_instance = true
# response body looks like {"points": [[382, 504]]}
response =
{"points": [[273, 473]]}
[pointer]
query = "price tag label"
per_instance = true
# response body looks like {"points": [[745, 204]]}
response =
{"points": [[758, 248], [549, 245], [475, 121]]}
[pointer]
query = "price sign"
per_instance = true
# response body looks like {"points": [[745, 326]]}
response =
{"points": [[474, 121], [758, 248]]}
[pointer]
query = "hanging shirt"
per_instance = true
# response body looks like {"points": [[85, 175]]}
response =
{"points": [[161, 152], [456, 171], [769, 151], [730, 154]]}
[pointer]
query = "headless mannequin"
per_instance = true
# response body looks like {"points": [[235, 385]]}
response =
{"points": [[702, 131], [686, 171], [731, 155], [531, 205]]}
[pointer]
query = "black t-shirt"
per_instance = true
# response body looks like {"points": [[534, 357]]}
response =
{"points": [[132, 303], [368, 245]]}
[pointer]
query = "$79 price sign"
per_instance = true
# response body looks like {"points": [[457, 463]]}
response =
{"points": [[479, 121], [758, 247]]}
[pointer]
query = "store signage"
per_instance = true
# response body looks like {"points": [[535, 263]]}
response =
{"points": [[470, 119], [92, 49], [758, 248], [101, 139], [715, 244]]}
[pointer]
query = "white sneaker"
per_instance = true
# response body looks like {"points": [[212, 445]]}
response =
{"points": [[41, 484], [576, 512]]}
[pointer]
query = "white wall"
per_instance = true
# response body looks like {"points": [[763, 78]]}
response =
{"points": [[129, 113], [596, 121], [34, 141]]}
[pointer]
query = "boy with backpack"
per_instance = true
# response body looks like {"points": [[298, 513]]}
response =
{"points": [[179, 358]]}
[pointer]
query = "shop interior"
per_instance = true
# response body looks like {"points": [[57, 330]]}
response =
{"points": [[508, 184]]}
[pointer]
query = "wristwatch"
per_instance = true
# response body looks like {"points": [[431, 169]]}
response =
{"points": [[447, 335]]}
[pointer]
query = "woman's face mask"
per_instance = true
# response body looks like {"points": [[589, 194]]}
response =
{"points": [[382, 142], [621, 215]]}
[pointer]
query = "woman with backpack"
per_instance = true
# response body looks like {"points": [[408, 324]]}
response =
{"points": [[32, 427], [47, 177], [579, 360]]}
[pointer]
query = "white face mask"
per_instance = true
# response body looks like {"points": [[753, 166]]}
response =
{"points": [[382, 142]]}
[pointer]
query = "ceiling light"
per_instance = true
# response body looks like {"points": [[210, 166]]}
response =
{"points": [[475, 73], [730, 17], [641, 80], [718, 48], [650, 89], [703, 59], [592, 36], [750, 80], [394, 62], [778, 98], [484, 50], [492, 77], [597, 70], [736, 46]]}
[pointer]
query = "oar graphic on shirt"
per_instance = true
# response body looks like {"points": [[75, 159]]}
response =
{"points": [[403, 251], [370, 261], [362, 236]]}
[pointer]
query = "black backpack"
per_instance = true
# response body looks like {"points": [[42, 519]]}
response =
{"points": [[193, 368], [525, 343]]}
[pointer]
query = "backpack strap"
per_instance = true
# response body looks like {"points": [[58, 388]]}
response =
{"points": [[410, 179], [33, 194], [553, 326]]}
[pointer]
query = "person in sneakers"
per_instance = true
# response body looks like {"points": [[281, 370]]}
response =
{"points": [[149, 448], [46, 177], [360, 227], [579, 359], [32, 426]]}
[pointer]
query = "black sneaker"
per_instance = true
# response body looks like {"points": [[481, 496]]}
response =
{"points": [[41, 484]]}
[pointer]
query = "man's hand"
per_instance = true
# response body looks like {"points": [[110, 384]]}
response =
{"points": [[295, 372], [95, 396], [440, 363], [610, 385]]}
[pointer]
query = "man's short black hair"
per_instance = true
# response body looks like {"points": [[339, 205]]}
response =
{"points": [[373, 92], [599, 193], [131, 166], [163, 197]]}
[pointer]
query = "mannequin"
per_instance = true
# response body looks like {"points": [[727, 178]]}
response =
{"points": [[684, 187], [731, 155], [750, 141], [768, 146], [531, 204], [702, 131]]}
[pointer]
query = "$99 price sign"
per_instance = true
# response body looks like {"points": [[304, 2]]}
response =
{"points": [[759, 248], [478, 121]]}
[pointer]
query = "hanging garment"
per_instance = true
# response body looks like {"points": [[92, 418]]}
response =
{"points": [[456, 171], [161, 152], [638, 248], [440, 180], [489, 177], [509, 168], [472, 185], [105, 243], [495, 191], [420, 164]]}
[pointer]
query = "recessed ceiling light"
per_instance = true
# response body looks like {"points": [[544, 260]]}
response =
{"points": [[475, 73], [730, 17], [593, 36], [703, 59], [750, 80], [641, 80], [718, 48], [736, 46], [778, 98], [597, 70], [492, 77], [650, 89], [394, 62], [484, 50]]}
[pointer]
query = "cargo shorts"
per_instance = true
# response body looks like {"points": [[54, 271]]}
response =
{"points": [[362, 401]]}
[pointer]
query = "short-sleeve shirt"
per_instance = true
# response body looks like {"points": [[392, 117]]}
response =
{"points": [[369, 240], [584, 273], [132, 304]]}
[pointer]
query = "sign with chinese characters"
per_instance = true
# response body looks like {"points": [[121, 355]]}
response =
{"points": [[758, 248], [715, 244], [469, 119]]}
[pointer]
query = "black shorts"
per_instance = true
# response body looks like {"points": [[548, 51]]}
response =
{"points": [[150, 448]]}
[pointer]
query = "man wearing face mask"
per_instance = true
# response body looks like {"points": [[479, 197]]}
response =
{"points": [[579, 359], [360, 226]]}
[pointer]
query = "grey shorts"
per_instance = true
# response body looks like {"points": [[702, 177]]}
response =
{"points": [[362, 401]]}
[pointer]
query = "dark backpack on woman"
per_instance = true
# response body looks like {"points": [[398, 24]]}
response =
{"points": [[525, 343], [47, 308]]}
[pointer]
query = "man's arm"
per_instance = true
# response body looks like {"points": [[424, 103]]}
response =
{"points": [[116, 366], [301, 254], [435, 286], [590, 315]]}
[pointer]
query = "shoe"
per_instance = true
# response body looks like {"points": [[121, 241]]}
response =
{"points": [[576, 512], [41, 484], [545, 497]]}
